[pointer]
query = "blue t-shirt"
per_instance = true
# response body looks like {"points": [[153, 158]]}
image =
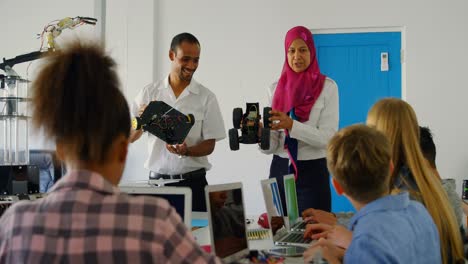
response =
{"points": [[393, 229]]}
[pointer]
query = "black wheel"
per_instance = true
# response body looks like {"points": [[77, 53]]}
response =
{"points": [[233, 139], [237, 117], [136, 123], [265, 139], [266, 117]]}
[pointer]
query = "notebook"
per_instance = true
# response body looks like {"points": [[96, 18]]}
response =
{"points": [[178, 197], [226, 221], [284, 236]]}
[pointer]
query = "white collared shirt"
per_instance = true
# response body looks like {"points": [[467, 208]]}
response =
{"points": [[314, 134], [195, 99]]}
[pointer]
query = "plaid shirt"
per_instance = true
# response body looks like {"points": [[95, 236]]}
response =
{"points": [[85, 219]]}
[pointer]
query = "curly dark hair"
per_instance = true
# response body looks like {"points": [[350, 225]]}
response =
{"points": [[77, 100]]}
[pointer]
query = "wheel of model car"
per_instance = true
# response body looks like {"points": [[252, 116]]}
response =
{"points": [[237, 117], [190, 119], [136, 123], [265, 139], [266, 116], [233, 139]]}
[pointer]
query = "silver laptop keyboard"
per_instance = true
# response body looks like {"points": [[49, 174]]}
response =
{"points": [[296, 238], [300, 226]]}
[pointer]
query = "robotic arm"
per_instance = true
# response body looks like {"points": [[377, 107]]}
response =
{"points": [[55, 28], [51, 31]]}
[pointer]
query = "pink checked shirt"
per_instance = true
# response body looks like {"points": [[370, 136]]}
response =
{"points": [[85, 219]]}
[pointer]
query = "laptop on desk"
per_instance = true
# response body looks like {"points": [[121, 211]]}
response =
{"points": [[178, 197], [226, 221], [285, 235]]}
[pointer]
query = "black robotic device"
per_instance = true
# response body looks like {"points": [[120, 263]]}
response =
{"points": [[165, 122], [249, 124]]}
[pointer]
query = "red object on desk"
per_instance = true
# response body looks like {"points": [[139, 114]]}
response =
{"points": [[263, 220], [206, 248]]}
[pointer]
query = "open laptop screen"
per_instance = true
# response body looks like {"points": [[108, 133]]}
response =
{"points": [[273, 204], [272, 197], [291, 198], [226, 212], [177, 197]]}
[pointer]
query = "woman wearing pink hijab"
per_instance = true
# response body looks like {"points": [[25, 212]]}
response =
{"points": [[304, 118]]}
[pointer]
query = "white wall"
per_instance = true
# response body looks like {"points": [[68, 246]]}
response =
{"points": [[129, 37], [242, 53]]}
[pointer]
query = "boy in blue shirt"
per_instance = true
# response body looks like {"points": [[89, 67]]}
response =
{"points": [[387, 228]]}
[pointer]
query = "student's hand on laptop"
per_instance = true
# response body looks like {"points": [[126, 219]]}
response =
{"points": [[319, 216], [327, 250], [340, 236], [336, 234], [316, 231]]}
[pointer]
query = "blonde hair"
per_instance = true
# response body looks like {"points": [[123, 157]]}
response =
{"points": [[397, 120], [359, 159]]}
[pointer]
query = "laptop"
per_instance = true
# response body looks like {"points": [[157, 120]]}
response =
{"points": [[283, 236], [226, 221], [295, 220], [178, 197]]}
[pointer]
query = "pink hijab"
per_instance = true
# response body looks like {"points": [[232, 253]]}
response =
{"points": [[299, 90]]}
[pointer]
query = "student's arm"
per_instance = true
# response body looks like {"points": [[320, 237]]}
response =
{"points": [[323, 249], [319, 216]]}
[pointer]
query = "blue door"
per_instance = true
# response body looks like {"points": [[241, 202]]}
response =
{"points": [[366, 67]]}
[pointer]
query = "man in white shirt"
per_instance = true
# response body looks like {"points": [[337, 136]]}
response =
{"points": [[187, 161]]}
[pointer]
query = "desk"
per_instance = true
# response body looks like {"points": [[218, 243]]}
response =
{"points": [[202, 236]]}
